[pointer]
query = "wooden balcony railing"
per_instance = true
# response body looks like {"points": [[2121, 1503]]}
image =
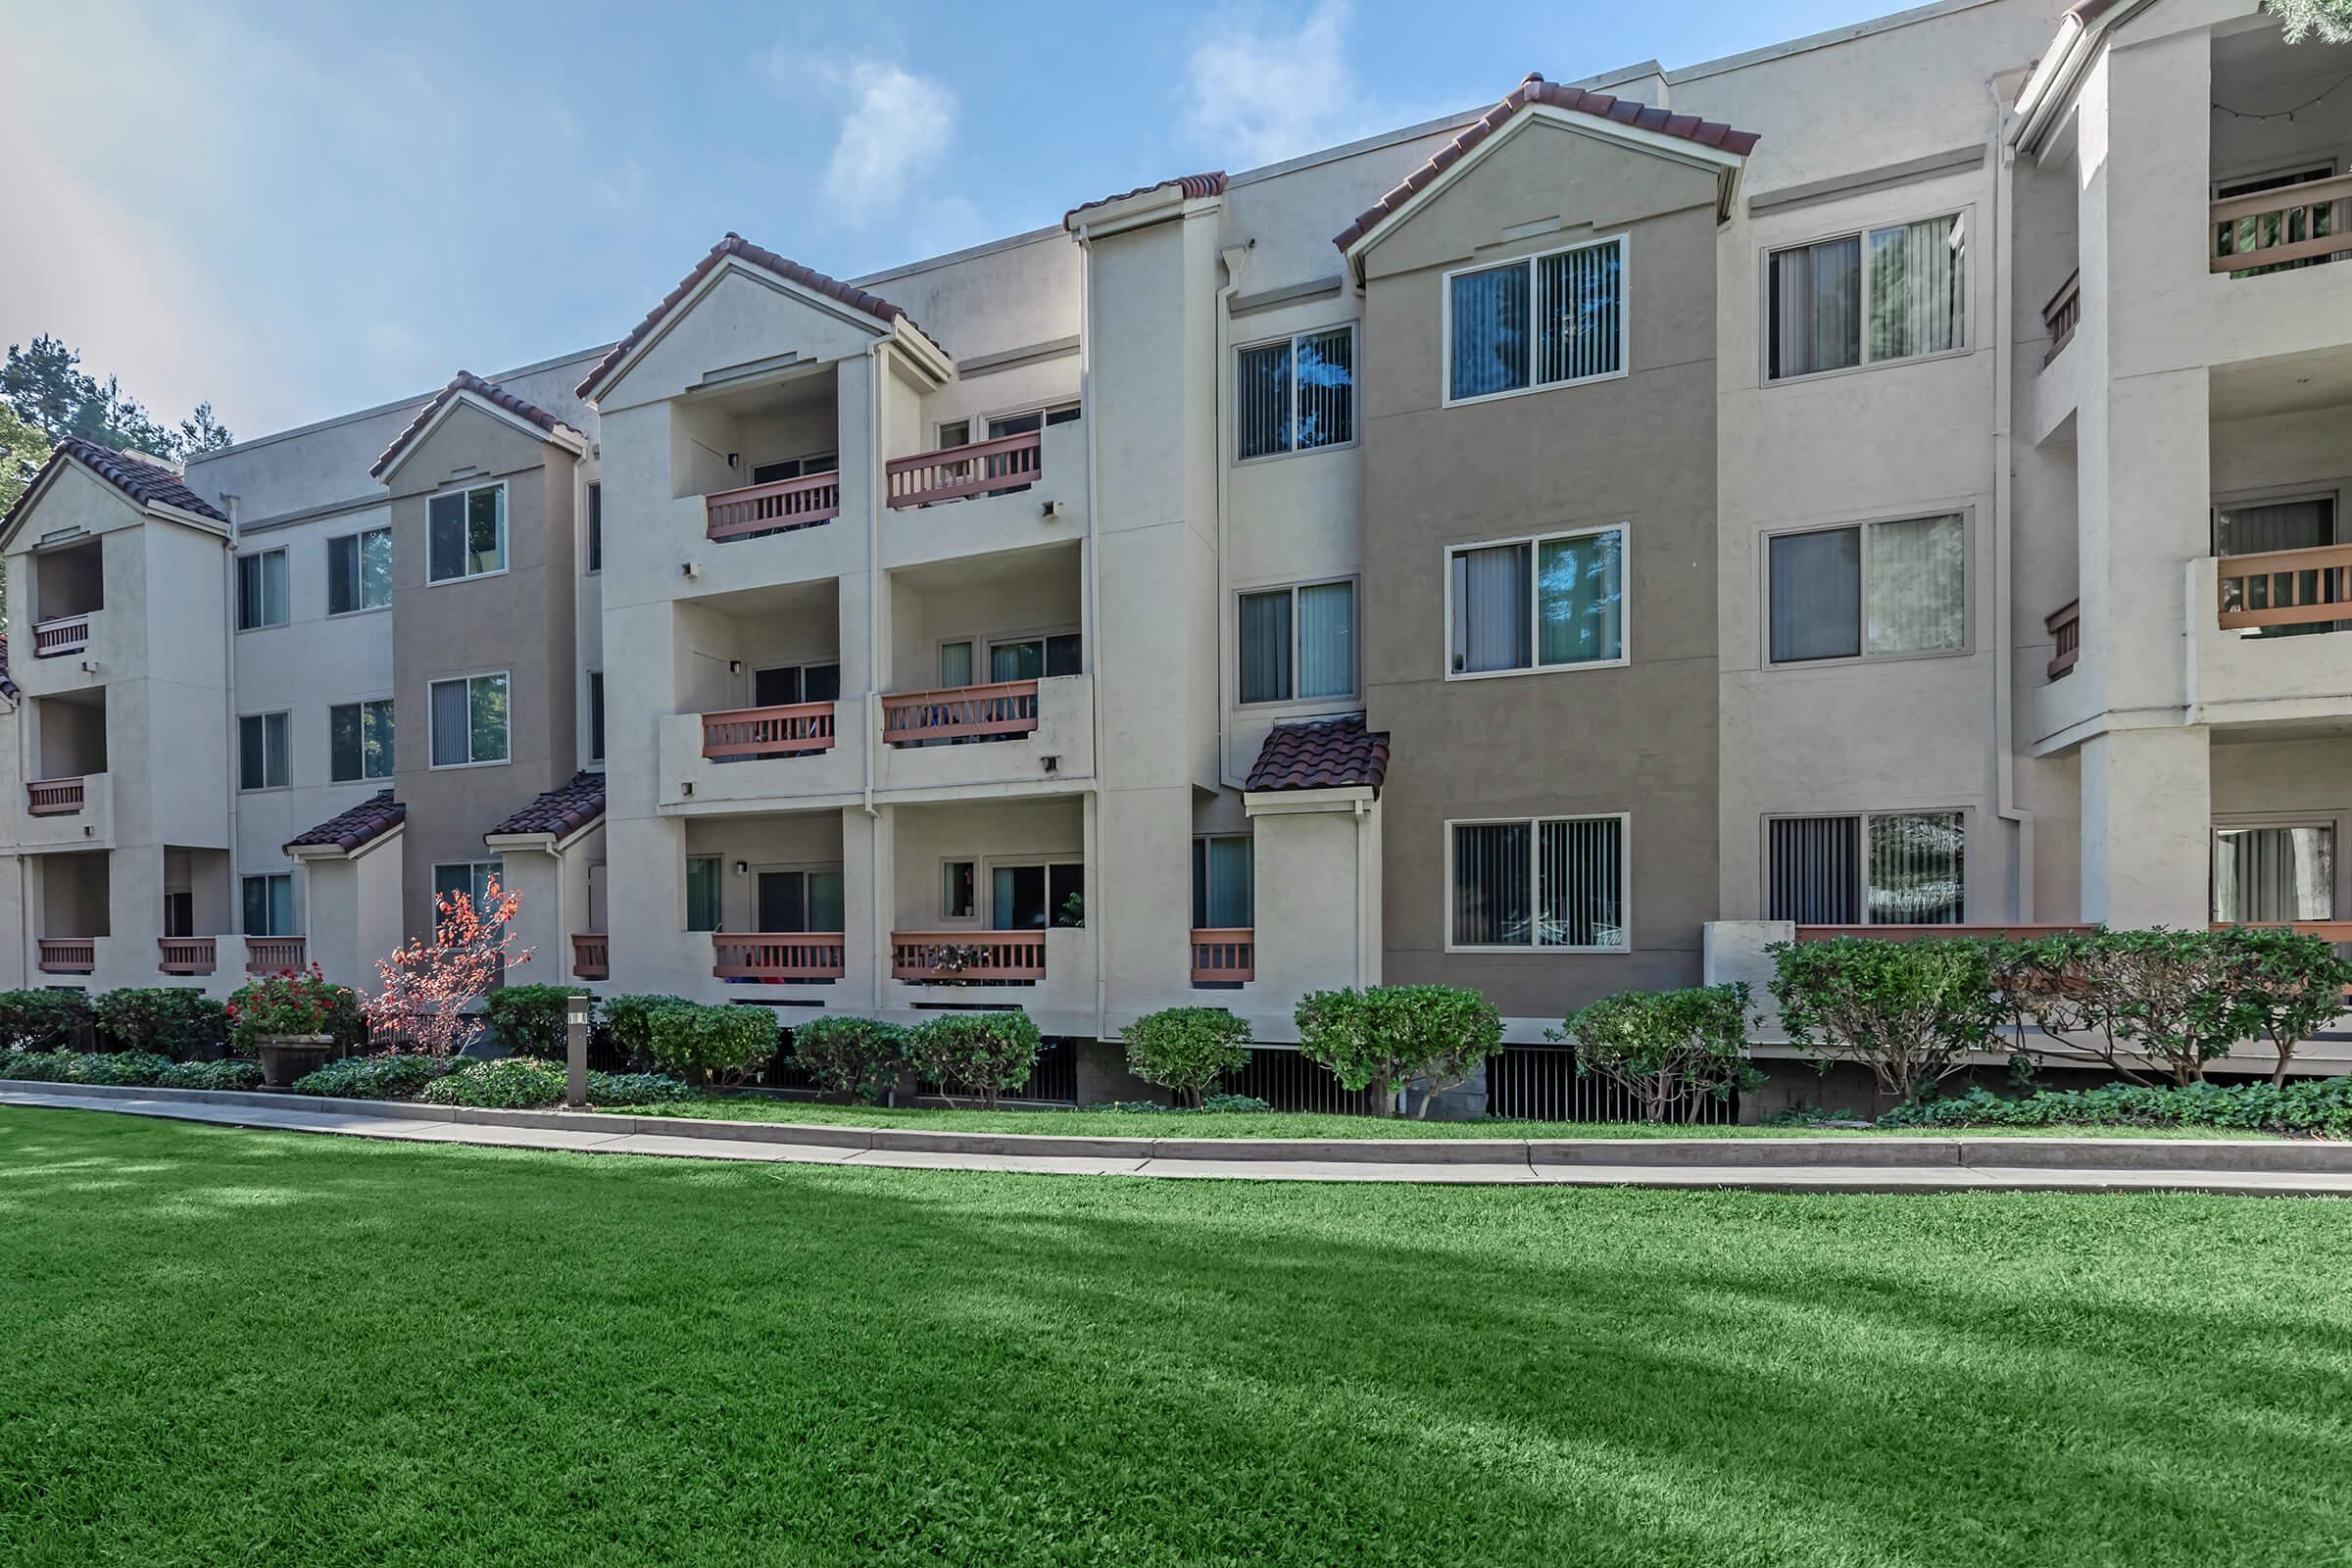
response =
{"points": [[2065, 638], [786, 731], [2062, 314], [69, 954], [1224, 955], [187, 955], [779, 955], [53, 797], [801, 503], [1916, 933], [591, 956], [270, 955], [971, 713], [67, 634], [1006, 463], [2337, 931], [2286, 588], [2292, 224], [964, 956]]}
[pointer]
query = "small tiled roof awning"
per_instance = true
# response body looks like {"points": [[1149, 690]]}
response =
{"points": [[143, 479], [1321, 754], [561, 811], [1536, 90], [355, 829], [463, 381], [1194, 187]]}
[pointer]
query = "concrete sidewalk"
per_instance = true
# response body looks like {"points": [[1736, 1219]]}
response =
{"points": [[2247, 1167]]}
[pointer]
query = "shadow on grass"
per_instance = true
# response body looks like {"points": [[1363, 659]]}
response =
{"points": [[258, 1346]]}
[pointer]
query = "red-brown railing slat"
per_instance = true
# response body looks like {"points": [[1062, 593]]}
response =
{"points": [[773, 507], [997, 712], [69, 954], [591, 956], [2285, 588], [778, 955], [962, 956], [53, 797], [186, 955], [67, 634], [1224, 953], [782, 731], [1007, 462], [269, 955]]}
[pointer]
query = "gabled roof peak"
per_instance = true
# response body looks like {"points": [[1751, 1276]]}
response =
{"points": [[147, 480], [465, 381]]}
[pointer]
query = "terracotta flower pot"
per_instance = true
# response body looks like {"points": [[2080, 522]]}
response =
{"points": [[286, 1057]]}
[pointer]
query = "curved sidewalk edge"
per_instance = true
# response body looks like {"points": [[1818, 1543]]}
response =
{"points": [[1854, 1165]]}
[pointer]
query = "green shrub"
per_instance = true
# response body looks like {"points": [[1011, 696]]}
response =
{"points": [[634, 1089], [1910, 1012], [860, 1058], [36, 1066], [391, 1076], [1387, 1036], [296, 1002], [228, 1074], [1672, 1051], [2321, 1106], [702, 1045], [2288, 984], [628, 1019], [1186, 1048], [979, 1053], [531, 1020], [139, 1068], [179, 1024], [41, 1019], [515, 1083]]}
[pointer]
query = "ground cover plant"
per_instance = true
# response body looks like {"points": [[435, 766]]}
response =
{"points": [[400, 1354]]}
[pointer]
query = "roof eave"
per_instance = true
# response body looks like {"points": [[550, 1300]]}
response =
{"points": [[604, 380], [1140, 210], [336, 852], [563, 435], [1348, 798]]}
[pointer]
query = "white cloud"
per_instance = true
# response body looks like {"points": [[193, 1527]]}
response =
{"points": [[1257, 93], [895, 128]]}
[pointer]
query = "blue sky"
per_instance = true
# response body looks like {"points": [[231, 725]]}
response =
{"points": [[299, 210]]}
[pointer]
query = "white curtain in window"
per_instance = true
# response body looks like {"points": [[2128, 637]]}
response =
{"points": [[955, 664], [1580, 599], [1581, 313], [2274, 873], [1326, 640], [1918, 589], [1918, 288], [1493, 901], [1265, 670], [1491, 608], [1816, 306], [1917, 869], [1816, 869], [1490, 330], [1816, 596], [1581, 873]]}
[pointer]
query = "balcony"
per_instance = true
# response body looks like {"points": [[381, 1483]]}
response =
{"points": [[777, 956], [2065, 639], [1224, 956], [2267, 231], [1011, 732], [55, 797], [2285, 588], [1004, 710], [55, 639], [69, 954], [968, 958], [981, 467], [270, 955], [187, 955], [777, 507], [591, 956], [2062, 315], [791, 731]]}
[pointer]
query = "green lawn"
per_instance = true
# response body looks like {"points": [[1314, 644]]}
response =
{"points": [[227, 1346], [1299, 1124]]}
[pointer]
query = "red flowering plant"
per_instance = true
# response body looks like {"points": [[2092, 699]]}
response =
{"points": [[293, 1002], [429, 986]]}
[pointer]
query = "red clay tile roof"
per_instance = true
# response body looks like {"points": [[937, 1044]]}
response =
{"points": [[8, 688], [1536, 90], [559, 810], [462, 382], [363, 823], [1321, 754], [144, 483], [736, 245], [1194, 186]]}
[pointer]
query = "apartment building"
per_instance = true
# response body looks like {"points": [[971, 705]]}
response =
{"points": [[1829, 487]]}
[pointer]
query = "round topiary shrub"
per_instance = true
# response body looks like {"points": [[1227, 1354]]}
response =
{"points": [[531, 1020], [1186, 1048], [704, 1045], [860, 1058], [979, 1053]]}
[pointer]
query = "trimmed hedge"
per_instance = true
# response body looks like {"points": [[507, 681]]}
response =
{"points": [[392, 1076], [515, 1083], [132, 1068], [2321, 1106], [701, 1044], [860, 1058], [1186, 1048], [979, 1053], [529, 1020], [42, 1021], [1384, 1037], [174, 1023], [628, 1019]]}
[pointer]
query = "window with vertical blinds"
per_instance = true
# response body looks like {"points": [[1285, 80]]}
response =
{"points": [[468, 721], [2282, 874], [1542, 320], [1884, 294], [1298, 644], [1296, 395], [1894, 869], [1538, 603], [1547, 882], [1867, 590]]}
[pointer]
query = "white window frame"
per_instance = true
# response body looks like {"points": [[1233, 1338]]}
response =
{"points": [[1535, 840], [443, 680], [1965, 211], [1625, 317], [265, 716], [1356, 381], [285, 571], [1967, 591], [1536, 542], [359, 589], [804, 869], [362, 703], [506, 557], [1355, 642], [984, 890], [2333, 822], [979, 891], [1967, 818]]}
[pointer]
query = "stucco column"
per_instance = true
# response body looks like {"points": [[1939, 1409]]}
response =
{"points": [[2148, 821]]}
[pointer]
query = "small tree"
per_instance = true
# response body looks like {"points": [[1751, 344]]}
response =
{"points": [[1910, 1012], [427, 987], [2329, 20], [1186, 1048], [1387, 1036], [979, 1053], [860, 1058], [1670, 1049], [702, 1045], [2287, 985]]}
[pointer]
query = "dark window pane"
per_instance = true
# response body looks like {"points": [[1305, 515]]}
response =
{"points": [[701, 893], [343, 743], [1064, 655], [1262, 401], [376, 728], [485, 531], [343, 574], [488, 703], [1265, 665], [1493, 901], [1816, 869], [1816, 306], [445, 537], [1816, 594], [1581, 873], [250, 759], [1489, 350], [1017, 898], [596, 715], [1065, 893], [820, 683], [596, 527]]}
